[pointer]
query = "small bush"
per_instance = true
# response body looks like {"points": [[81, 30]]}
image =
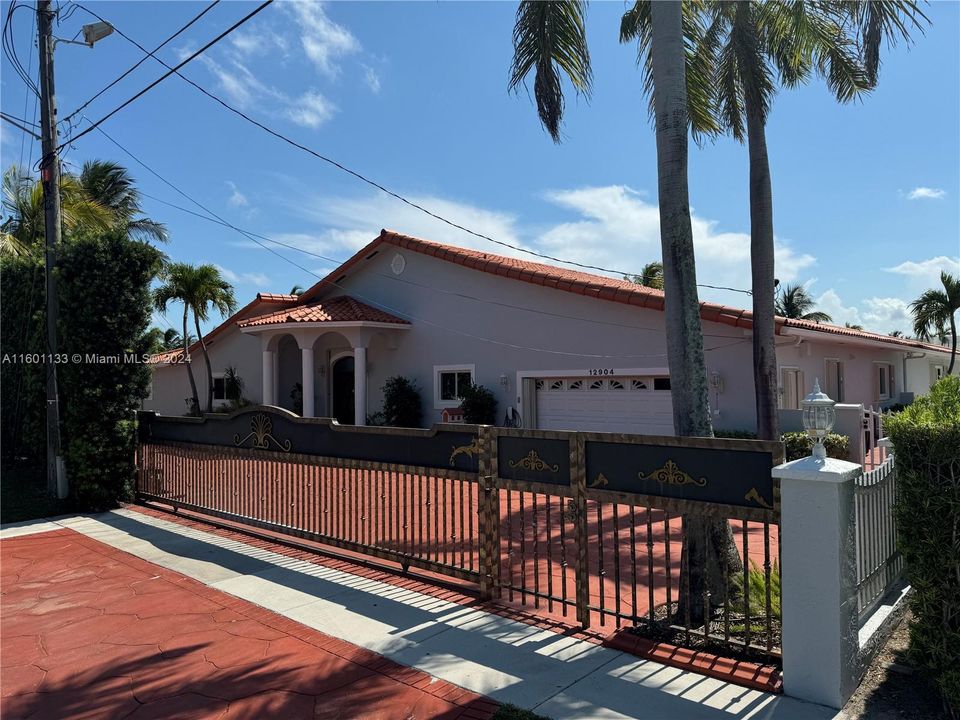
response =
{"points": [[799, 445], [401, 403], [479, 405], [926, 444], [735, 434]]}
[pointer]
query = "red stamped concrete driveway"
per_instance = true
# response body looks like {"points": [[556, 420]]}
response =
{"points": [[87, 631]]}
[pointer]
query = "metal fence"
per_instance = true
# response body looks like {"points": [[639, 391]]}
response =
{"points": [[879, 563], [609, 530], [871, 433]]}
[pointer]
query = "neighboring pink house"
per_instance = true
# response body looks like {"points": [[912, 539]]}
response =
{"points": [[561, 349]]}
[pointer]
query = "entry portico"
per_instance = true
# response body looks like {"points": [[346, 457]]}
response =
{"points": [[354, 320]]}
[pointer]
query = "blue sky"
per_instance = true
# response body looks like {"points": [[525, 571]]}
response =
{"points": [[866, 195]]}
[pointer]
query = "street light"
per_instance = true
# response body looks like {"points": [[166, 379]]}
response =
{"points": [[92, 33], [818, 418]]}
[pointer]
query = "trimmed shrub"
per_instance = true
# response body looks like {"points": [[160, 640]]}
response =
{"points": [[479, 405], [401, 403], [105, 309], [797, 444], [735, 434], [926, 443]]}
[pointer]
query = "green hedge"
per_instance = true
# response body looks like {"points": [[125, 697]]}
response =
{"points": [[926, 443], [797, 444]]}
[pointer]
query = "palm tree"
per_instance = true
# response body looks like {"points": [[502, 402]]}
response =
{"points": [[112, 186], [177, 281], [23, 230], [200, 288], [550, 38], [210, 292], [853, 326], [897, 334], [751, 44], [795, 303], [650, 276], [935, 310], [297, 290]]}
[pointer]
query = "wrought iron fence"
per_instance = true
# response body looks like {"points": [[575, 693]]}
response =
{"points": [[879, 563], [595, 527]]}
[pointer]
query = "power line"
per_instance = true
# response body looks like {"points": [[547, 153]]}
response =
{"points": [[254, 238], [10, 47], [142, 60], [26, 95], [16, 124], [163, 77], [373, 183]]}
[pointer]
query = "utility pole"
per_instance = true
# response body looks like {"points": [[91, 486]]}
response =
{"points": [[50, 179]]}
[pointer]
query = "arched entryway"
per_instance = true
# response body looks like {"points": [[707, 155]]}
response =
{"points": [[342, 404]]}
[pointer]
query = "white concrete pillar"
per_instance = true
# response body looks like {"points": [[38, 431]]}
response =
{"points": [[360, 385], [269, 384], [819, 579], [308, 371]]}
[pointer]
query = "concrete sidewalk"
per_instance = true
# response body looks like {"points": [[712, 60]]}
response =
{"points": [[554, 675]]}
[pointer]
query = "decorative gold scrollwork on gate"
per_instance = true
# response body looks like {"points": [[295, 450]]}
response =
{"points": [[754, 496], [671, 474], [261, 430], [532, 461], [469, 450]]}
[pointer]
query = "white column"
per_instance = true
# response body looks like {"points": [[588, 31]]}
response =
{"points": [[819, 579], [269, 387], [308, 371], [360, 385]]}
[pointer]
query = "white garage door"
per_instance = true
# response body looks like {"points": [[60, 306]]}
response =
{"points": [[640, 405]]}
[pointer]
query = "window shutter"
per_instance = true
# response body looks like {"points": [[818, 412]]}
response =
{"points": [[876, 383], [892, 382]]}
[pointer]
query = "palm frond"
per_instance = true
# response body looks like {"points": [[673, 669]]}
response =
{"points": [[550, 38]]}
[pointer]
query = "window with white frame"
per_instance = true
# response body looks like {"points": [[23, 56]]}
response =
{"points": [[939, 371], [449, 382]]}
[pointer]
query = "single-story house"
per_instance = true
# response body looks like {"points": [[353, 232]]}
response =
{"points": [[560, 348]]}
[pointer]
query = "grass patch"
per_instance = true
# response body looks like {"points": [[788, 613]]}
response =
{"points": [[512, 712]]}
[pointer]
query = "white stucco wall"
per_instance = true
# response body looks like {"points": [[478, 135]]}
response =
{"points": [[563, 332]]}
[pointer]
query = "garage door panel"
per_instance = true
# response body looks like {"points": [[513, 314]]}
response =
{"points": [[615, 405]]}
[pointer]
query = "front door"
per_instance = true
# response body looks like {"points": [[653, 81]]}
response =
{"points": [[341, 386]]}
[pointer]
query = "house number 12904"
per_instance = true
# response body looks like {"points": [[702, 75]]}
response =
{"points": [[601, 371]]}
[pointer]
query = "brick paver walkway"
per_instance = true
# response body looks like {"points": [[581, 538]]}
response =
{"points": [[89, 631]]}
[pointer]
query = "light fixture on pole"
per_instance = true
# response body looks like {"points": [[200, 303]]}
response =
{"points": [[92, 33], [818, 418]]}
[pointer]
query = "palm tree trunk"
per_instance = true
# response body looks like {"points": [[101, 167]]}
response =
{"points": [[206, 359], [953, 341], [707, 540], [186, 361], [762, 270]]}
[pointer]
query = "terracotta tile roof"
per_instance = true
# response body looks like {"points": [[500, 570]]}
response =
{"points": [[589, 284], [244, 312], [338, 309]]}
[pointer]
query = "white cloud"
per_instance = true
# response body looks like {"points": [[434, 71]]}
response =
{"points": [[877, 314], [259, 42], [372, 78], [925, 193], [830, 303], [619, 229], [323, 40], [614, 228], [310, 110], [237, 198], [927, 271], [252, 278]]}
